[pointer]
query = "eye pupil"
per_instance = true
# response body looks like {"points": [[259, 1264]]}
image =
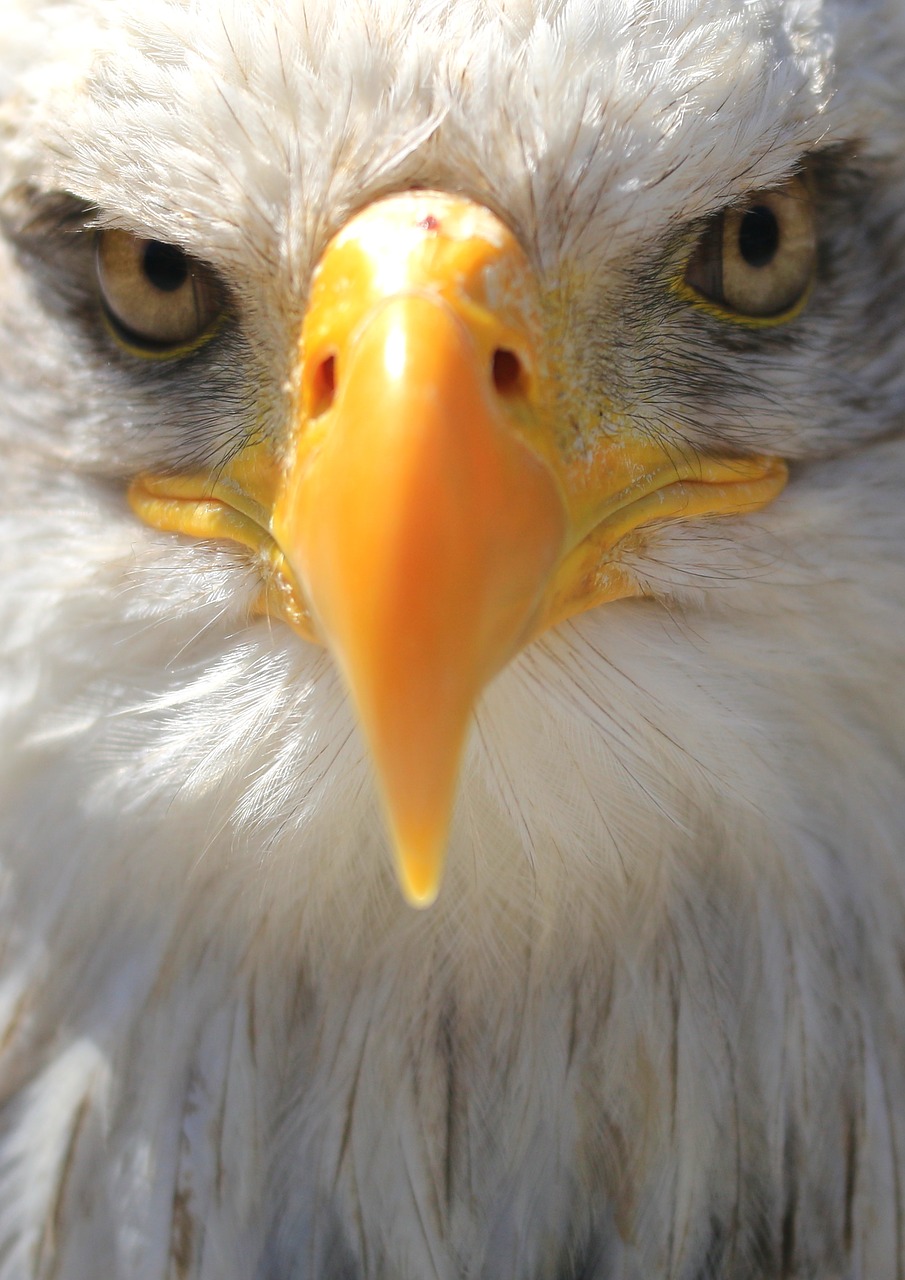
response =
{"points": [[164, 266], [758, 236]]}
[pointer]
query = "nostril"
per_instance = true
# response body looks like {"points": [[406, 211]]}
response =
{"points": [[323, 386], [508, 373]]}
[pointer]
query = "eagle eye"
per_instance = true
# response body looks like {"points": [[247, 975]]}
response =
{"points": [[159, 301], [756, 260]]}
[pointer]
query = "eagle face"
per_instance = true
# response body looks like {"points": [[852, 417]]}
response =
{"points": [[452, 459]]}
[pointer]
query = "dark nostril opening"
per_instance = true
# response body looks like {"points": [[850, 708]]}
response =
{"points": [[323, 386], [508, 374]]}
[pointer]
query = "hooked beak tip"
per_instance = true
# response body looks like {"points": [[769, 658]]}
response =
{"points": [[420, 868]]}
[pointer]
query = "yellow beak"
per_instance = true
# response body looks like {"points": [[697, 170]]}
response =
{"points": [[428, 517]]}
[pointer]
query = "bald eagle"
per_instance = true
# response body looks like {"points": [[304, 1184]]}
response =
{"points": [[452, 742]]}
